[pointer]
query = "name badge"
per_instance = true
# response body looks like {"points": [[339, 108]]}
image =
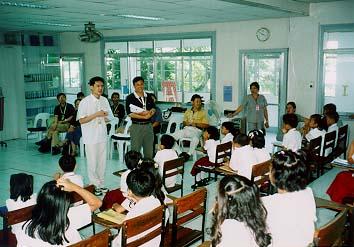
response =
{"points": [[257, 107]]}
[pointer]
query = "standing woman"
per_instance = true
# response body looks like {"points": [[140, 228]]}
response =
{"points": [[255, 105]]}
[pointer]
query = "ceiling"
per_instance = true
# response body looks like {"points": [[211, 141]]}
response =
{"points": [[70, 15]]}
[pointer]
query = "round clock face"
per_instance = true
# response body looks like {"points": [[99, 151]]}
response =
{"points": [[263, 34]]}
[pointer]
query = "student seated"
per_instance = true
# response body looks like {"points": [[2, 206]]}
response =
{"points": [[316, 128], [331, 108], [239, 217], [242, 156], [141, 185], [292, 137], [67, 164], [74, 133], [211, 140], [228, 131], [257, 141], [166, 153], [53, 221], [292, 211]]}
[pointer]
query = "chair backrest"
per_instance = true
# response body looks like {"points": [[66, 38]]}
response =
{"points": [[114, 124], [331, 234], [41, 120], [342, 139], [315, 146], [98, 240], [223, 151], [329, 142], [127, 126], [173, 168], [260, 172], [174, 123], [18, 216], [152, 220], [188, 208], [75, 197]]}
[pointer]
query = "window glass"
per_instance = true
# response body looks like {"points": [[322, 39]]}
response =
{"points": [[338, 40], [163, 46], [141, 47], [196, 45]]}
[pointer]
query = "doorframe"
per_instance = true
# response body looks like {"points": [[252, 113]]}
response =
{"points": [[283, 84]]}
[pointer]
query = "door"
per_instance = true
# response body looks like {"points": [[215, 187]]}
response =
{"points": [[269, 69]]}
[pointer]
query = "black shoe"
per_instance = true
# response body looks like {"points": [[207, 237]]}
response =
{"points": [[98, 192], [39, 143], [185, 156], [55, 150]]}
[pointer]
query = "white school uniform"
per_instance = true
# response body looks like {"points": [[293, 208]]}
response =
{"points": [[127, 204], [333, 127], [160, 158], [74, 178], [291, 218], [141, 207], [314, 133], [18, 204], [79, 216], [292, 140], [242, 160], [210, 147], [227, 138], [236, 233], [261, 155]]}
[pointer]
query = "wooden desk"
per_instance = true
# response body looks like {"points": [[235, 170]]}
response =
{"points": [[106, 223]]}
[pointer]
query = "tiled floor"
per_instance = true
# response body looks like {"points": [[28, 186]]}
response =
{"points": [[21, 156]]}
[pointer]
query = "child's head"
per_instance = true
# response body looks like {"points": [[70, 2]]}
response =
{"points": [[238, 198], [167, 142], [291, 107], [211, 133], [21, 185], [257, 138], [141, 183], [67, 163], [315, 121], [228, 127], [328, 108], [290, 121], [132, 159], [332, 118], [241, 140], [288, 171]]}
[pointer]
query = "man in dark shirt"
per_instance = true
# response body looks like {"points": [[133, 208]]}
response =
{"points": [[141, 107], [117, 109]]}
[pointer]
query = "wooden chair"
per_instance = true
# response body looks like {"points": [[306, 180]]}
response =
{"points": [[313, 151], [260, 175], [332, 233], [185, 209], [153, 220], [7, 238], [327, 151], [341, 147], [101, 239], [173, 168]]}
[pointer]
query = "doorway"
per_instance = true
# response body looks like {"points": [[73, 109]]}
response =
{"points": [[269, 69]]}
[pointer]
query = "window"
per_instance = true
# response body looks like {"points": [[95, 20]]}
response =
{"points": [[337, 65], [173, 69]]}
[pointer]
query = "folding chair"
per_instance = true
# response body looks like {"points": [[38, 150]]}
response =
{"points": [[122, 140], [40, 125]]}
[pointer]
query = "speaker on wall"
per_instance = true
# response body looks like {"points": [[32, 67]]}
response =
{"points": [[48, 40], [34, 40], [11, 38]]}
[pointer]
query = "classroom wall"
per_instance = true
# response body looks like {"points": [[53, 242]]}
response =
{"points": [[299, 35]]}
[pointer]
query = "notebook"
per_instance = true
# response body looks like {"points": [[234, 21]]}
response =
{"points": [[112, 216]]}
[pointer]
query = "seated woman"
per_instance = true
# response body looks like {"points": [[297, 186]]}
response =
{"points": [[74, 132], [53, 221], [239, 215], [291, 211]]}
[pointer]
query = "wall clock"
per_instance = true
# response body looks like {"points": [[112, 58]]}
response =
{"points": [[263, 34]]}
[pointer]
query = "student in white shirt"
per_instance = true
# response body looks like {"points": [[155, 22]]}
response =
{"points": [[242, 156], [292, 211], [229, 132], [166, 153], [141, 185], [49, 224], [292, 137], [211, 140], [67, 164], [316, 129], [239, 217], [257, 141], [331, 120], [21, 192]]}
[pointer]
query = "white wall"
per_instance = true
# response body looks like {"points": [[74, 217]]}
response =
{"points": [[299, 35]]}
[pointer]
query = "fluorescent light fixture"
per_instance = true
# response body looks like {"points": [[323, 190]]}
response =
{"points": [[151, 18], [24, 5], [50, 24]]}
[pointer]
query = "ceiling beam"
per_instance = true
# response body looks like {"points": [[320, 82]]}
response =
{"points": [[288, 6]]}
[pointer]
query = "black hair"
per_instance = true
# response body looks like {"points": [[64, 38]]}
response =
{"points": [[257, 138], [137, 78], [333, 115], [21, 186], [290, 119], [50, 220], [254, 84], [292, 103], [76, 101], [80, 94], [61, 94], [115, 93], [196, 96], [317, 118], [94, 79], [230, 126], [238, 198], [213, 132], [141, 182], [289, 170], [241, 139], [167, 141], [67, 163], [330, 107], [132, 159]]}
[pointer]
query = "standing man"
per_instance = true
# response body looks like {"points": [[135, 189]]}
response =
{"points": [[141, 107], [94, 111]]}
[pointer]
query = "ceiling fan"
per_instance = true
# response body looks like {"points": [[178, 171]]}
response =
{"points": [[90, 34]]}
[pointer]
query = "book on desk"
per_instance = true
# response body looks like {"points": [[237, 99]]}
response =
{"points": [[112, 216]]}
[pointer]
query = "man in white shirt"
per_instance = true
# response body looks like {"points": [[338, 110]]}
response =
{"points": [[94, 111]]}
